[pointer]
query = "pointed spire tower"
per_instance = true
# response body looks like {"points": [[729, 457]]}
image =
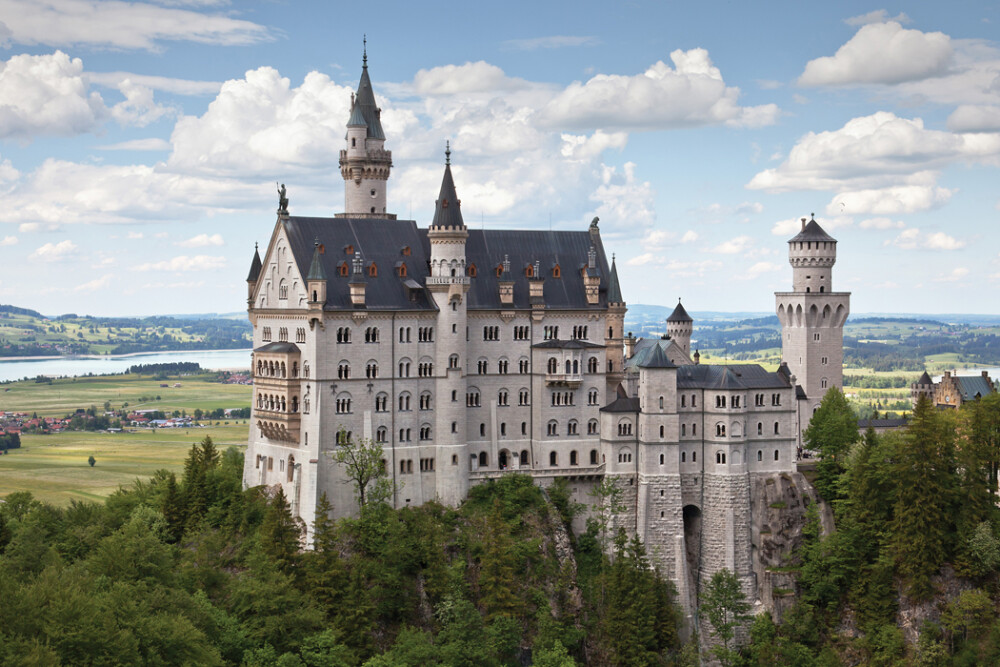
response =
{"points": [[680, 326], [254, 275], [364, 162], [615, 340]]}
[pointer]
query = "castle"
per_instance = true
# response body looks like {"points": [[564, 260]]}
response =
{"points": [[472, 353]]}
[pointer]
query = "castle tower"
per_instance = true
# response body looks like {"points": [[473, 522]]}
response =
{"points": [[679, 327], [448, 286], [615, 339], [922, 387], [364, 163], [812, 316]]}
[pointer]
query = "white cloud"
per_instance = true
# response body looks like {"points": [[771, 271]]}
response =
{"points": [[8, 241], [124, 25], [877, 16], [759, 269], [138, 108], [202, 240], [913, 239], [472, 77], [690, 236], [881, 53], [31, 227], [881, 223], [161, 83], [135, 235], [583, 147], [889, 201], [735, 246], [689, 94], [151, 144], [793, 226], [54, 251], [550, 42], [184, 263], [876, 151], [46, 94], [955, 275], [97, 284], [975, 118], [624, 199]]}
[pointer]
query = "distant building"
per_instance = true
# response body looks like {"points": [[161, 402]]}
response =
{"points": [[954, 390]]}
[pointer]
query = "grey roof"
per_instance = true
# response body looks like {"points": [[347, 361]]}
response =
{"points": [[282, 348], [812, 232], [657, 359], [736, 376], [622, 403], [679, 314], [644, 348], [614, 290], [448, 207], [365, 101], [882, 423], [925, 379], [381, 241], [255, 266], [571, 344], [316, 271], [357, 117], [973, 386]]}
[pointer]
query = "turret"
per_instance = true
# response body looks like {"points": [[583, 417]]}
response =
{"points": [[812, 254], [253, 276], [679, 327], [364, 163], [616, 325], [316, 279]]}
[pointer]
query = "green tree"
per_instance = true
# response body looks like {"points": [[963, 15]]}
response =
{"points": [[726, 607], [91, 460], [497, 569], [364, 465], [832, 430], [608, 498], [280, 533], [173, 508]]}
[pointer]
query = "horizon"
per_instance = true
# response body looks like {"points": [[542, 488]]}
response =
{"points": [[140, 164]]}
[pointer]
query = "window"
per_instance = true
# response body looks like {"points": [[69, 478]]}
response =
{"points": [[760, 428], [503, 429], [661, 431], [776, 455], [720, 401], [453, 361], [373, 270], [556, 271], [522, 397], [266, 334], [472, 271], [502, 366], [661, 463], [816, 337], [775, 399], [758, 400], [343, 370], [524, 428], [371, 335], [520, 333], [482, 430], [720, 430], [404, 435], [683, 401], [592, 397], [344, 335], [592, 365], [624, 456], [491, 333], [425, 432], [573, 458], [425, 335], [553, 459], [426, 465], [694, 400], [282, 290], [822, 383], [404, 369], [472, 399], [661, 402], [502, 398], [694, 429], [624, 427], [571, 427], [381, 433], [551, 332], [371, 370], [300, 335], [283, 335], [425, 369], [342, 270], [684, 429], [593, 457], [720, 457], [404, 402], [523, 366], [760, 455], [824, 360], [425, 400], [552, 428], [405, 465], [592, 427], [776, 428], [381, 402], [736, 401], [553, 366], [483, 366], [343, 404]]}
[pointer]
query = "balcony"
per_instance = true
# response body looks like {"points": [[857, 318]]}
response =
{"points": [[280, 426], [572, 380], [447, 280]]}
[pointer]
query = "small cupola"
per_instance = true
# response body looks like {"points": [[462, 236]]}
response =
{"points": [[316, 279], [254, 275]]}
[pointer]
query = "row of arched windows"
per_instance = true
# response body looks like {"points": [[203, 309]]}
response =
{"points": [[277, 403], [275, 369]]}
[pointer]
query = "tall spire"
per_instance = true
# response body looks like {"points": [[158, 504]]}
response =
{"points": [[365, 99], [364, 58], [448, 208], [614, 289]]}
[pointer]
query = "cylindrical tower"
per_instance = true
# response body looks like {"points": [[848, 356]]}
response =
{"points": [[679, 327], [812, 254], [364, 162]]}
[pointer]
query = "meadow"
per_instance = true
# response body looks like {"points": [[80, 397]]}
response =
{"points": [[140, 392], [54, 468]]}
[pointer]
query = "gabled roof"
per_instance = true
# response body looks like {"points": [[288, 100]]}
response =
{"points": [[812, 232], [657, 359], [255, 266], [282, 348], [614, 290], [679, 314], [644, 348], [735, 376], [365, 101], [448, 207], [972, 386], [622, 403]]}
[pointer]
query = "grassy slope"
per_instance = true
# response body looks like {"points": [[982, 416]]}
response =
{"points": [[64, 396], [54, 467], [13, 328]]}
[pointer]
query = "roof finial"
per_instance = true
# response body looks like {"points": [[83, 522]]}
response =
{"points": [[255, 246], [364, 59], [447, 153], [812, 216]]}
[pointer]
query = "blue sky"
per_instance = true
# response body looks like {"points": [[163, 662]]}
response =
{"points": [[140, 142]]}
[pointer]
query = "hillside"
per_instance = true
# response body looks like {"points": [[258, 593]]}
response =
{"points": [[28, 333]]}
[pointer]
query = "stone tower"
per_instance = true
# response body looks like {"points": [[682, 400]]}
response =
{"points": [[615, 339], [448, 285], [364, 163], [922, 387], [679, 327], [812, 317]]}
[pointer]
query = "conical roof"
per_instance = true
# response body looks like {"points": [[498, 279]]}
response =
{"points": [[255, 266], [679, 314], [364, 102], [316, 271], [925, 379], [448, 207], [812, 232], [657, 359], [614, 289]]}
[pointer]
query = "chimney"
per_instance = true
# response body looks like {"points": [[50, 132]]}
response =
{"points": [[357, 284], [629, 346], [536, 285], [697, 357], [803, 224], [506, 283]]}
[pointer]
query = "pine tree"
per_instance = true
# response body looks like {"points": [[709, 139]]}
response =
{"points": [[726, 607], [922, 522], [496, 570], [280, 533], [173, 508], [832, 430]]}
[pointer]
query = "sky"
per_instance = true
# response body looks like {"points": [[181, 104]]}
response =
{"points": [[141, 142]]}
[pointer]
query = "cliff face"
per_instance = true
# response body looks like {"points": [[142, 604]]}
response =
{"points": [[778, 507]]}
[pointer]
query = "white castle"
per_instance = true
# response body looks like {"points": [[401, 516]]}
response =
{"points": [[469, 354]]}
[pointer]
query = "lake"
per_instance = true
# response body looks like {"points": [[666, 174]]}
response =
{"points": [[13, 368]]}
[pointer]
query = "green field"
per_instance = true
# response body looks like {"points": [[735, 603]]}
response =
{"points": [[65, 396], [54, 467]]}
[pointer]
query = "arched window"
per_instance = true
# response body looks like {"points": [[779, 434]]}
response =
{"points": [[592, 365], [553, 459], [553, 365], [776, 455], [624, 455], [524, 460], [593, 457], [661, 430], [760, 428], [683, 401], [381, 402], [483, 459], [381, 433], [776, 428], [572, 458], [760, 455], [552, 428], [592, 427], [662, 458], [404, 401]]}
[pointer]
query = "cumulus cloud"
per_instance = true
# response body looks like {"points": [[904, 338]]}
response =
{"points": [[793, 226], [876, 151], [881, 223], [550, 42], [202, 240], [581, 146], [54, 251], [184, 263], [472, 77], [162, 83], [891, 200], [138, 108], [881, 53], [759, 269], [46, 94], [625, 199], [690, 236], [689, 94], [8, 241], [953, 276], [877, 16], [103, 282], [735, 246], [975, 118], [913, 239], [124, 25]]}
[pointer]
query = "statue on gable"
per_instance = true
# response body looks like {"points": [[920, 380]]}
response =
{"points": [[282, 200]]}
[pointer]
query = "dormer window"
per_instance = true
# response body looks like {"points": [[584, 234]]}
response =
{"points": [[529, 271], [342, 269], [499, 270], [402, 269], [405, 251], [372, 270], [348, 249], [472, 270], [556, 271]]}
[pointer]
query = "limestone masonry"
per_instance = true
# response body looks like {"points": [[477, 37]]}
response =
{"points": [[469, 354]]}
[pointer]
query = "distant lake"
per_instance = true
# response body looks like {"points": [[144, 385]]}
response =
{"points": [[14, 368]]}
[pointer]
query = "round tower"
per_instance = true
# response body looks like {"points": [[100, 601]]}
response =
{"points": [[812, 254], [679, 327]]}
